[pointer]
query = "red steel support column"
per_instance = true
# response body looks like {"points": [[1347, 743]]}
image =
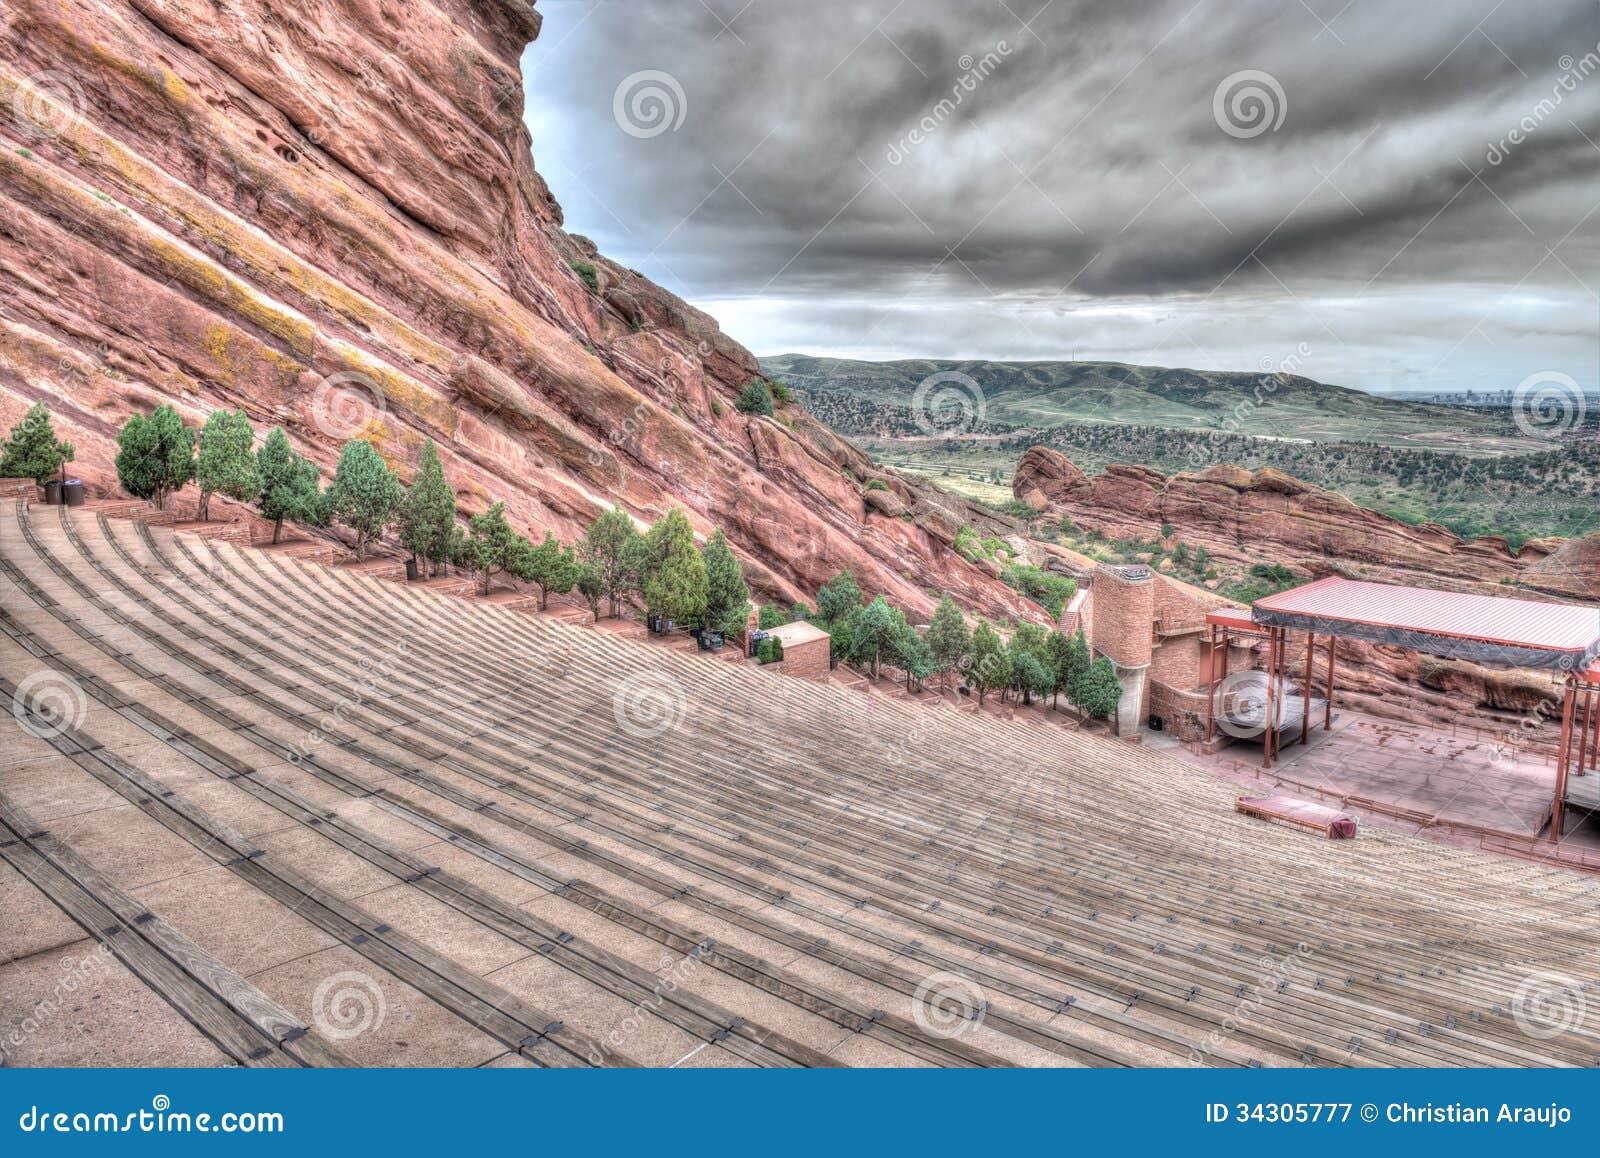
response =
{"points": [[1211, 686], [1272, 671], [1305, 706], [1558, 810], [1327, 709], [1583, 731]]}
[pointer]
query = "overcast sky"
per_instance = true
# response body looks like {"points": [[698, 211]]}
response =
{"points": [[1224, 184]]}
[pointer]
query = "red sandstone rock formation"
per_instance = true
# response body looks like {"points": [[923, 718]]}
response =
{"points": [[1242, 516], [327, 213]]}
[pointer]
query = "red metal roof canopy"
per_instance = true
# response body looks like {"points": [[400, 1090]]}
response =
{"points": [[1486, 628]]}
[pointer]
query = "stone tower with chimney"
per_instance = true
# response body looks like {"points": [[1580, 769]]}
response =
{"points": [[1124, 615]]}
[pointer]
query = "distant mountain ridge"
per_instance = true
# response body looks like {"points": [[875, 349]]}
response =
{"points": [[1045, 393]]}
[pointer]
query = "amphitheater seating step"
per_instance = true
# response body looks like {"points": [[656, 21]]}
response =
{"points": [[338, 818]]}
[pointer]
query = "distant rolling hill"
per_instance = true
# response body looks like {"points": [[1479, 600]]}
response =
{"points": [[859, 397]]}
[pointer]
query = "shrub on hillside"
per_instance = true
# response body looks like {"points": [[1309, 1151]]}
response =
{"points": [[755, 399]]}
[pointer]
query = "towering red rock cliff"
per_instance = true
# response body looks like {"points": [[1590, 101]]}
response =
{"points": [[327, 213]]}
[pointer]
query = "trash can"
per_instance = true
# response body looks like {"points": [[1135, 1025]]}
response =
{"points": [[72, 492], [411, 570], [52, 492]]}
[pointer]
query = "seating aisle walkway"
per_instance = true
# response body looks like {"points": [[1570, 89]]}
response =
{"points": [[319, 817]]}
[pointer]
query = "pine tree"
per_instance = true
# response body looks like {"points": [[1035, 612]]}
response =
{"points": [[591, 587], [755, 399], [1074, 662], [1030, 640], [1097, 691], [490, 545], [990, 662], [32, 450], [549, 566], [1030, 676], [288, 485], [155, 455], [1055, 658], [615, 550], [226, 464], [912, 655], [428, 516], [948, 638], [872, 631], [727, 594], [365, 493], [838, 598], [674, 574]]}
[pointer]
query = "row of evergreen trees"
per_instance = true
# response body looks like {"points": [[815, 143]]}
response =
{"points": [[158, 455], [1033, 663]]}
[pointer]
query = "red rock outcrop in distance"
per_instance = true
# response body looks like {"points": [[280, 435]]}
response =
{"points": [[1243, 516], [327, 213]]}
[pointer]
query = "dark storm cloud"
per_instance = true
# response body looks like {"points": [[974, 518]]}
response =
{"points": [[1075, 188]]}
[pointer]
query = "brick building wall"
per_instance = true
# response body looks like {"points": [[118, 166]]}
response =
{"points": [[807, 660]]}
